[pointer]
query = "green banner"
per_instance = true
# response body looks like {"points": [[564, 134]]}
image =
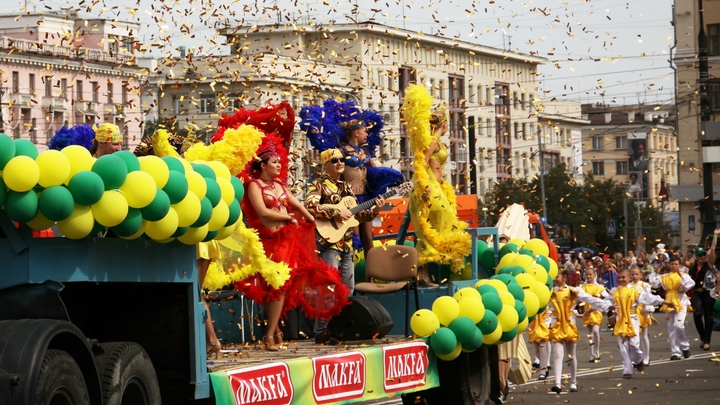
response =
{"points": [[345, 377]]}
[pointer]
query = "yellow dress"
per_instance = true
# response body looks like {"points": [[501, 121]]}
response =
{"points": [[624, 299], [538, 331], [564, 329], [594, 317], [672, 283], [643, 317], [208, 250]]}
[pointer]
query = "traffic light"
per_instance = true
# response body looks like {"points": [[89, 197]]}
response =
{"points": [[621, 222]]}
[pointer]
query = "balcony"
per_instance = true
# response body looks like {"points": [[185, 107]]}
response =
{"points": [[23, 46], [54, 103], [21, 100], [117, 110], [86, 107]]}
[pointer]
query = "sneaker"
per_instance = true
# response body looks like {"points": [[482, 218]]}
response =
{"points": [[627, 376], [556, 389], [323, 337], [686, 353], [675, 357], [573, 387]]}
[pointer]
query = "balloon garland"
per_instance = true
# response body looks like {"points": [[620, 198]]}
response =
{"points": [[494, 310]]}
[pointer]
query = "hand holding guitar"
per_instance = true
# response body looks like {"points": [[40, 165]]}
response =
{"points": [[345, 214]]}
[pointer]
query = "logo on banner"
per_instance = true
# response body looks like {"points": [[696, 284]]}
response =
{"points": [[404, 366], [338, 377], [268, 384]]}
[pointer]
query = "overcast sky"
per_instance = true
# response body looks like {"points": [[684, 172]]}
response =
{"points": [[608, 51]]}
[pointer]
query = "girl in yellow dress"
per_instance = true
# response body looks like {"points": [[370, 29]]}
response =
{"points": [[593, 319], [645, 318], [538, 335], [563, 332]]}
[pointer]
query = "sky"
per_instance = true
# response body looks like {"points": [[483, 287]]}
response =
{"points": [[599, 51]]}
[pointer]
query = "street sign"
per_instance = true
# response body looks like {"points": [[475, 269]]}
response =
{"points": [[691, 223], [611, 227]]}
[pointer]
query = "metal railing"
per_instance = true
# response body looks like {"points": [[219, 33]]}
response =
{"points": [[14, 45]]}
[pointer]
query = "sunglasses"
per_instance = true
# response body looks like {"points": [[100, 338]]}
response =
{"points": [[337, 160]]}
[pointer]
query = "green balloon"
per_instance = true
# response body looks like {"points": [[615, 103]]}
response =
{"points": [[549, 283], [211, 235], [56, 203], [464, 329], [509, 335], [112, 170], [205, 213], [521, 310], [158, 208], [131, 161], [475, 342], [87, 188], [517, 270], [516, 291], [487, 288], [180, 231], [205, 170], [505, 270], [130, 225], [174, 164], [3, 192], [543, 261], [443, 341], [234, 213], [532, 318], [527, 252], [23, 147], [505, 278], [213, 191], [360, 271], [238, 187], [176, 187], [21, 207], [508, 248], [97, 228], [480, 246], [717, 306], [408, 242], [492, 303], [487, 259], [541, 310], [7, 150], [489, 323]]}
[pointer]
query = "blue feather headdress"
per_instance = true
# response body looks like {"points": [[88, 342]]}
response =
{"points": [[327, 126], [82, 135]]}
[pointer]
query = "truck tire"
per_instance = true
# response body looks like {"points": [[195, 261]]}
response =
{"points": [[60, 381], [127, 376]]}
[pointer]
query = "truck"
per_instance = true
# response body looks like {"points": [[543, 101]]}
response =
{"points": [[109, 321]]}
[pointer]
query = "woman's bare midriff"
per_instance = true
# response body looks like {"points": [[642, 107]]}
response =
{"points": [[274, 224], [357, 178], [436, 168]]}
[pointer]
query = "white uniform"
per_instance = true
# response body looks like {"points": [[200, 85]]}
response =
{"points": [[644, 329], [675, 289]]}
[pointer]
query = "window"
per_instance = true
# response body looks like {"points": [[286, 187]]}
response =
{"points": [[63, 88], [621, 142], [113, 45], [109, 93], [714, 95], [176, 106], [48, 86], [456, 91], [124, 94], [15, 82], [502, 100], [597, 143], [207, 103], [95, 89], [713, 37], [79, 90], [31, 78], [598, 168], [488, 95], [516, 100], [406, 76], [621, 167]]}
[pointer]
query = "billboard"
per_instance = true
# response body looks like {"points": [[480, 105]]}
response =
{"points": [[638, 164], [576, 142]]}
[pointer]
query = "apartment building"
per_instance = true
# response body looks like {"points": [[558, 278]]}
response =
{"points": [[65, 70]]}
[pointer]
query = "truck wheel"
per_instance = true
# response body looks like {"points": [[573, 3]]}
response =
{"points": [[127, 375], [61, 381]]}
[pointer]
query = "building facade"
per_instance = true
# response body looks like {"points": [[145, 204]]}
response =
{"points": [[63, 70]]}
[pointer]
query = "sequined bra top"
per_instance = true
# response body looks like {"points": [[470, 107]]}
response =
{"points": [[272, 202]]}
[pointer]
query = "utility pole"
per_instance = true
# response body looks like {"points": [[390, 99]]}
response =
{"points": [[542, 175], [708, 203]]}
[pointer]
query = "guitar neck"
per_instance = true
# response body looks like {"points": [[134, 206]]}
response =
{"points": [[367, 204]]}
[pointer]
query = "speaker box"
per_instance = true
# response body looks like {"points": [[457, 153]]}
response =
{"points": [[363, 319]]}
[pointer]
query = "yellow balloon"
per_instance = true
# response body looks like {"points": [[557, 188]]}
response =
{"points": [[186, 165], [227, 192], [507, 260], [537, 246], [188, 210], [523, 325], [155, 167], [473, 308], [168, 240], [424, 322], [112, 208], [526, 281], [508, 318], [194, 235], [54, 168], [196, 184], [139, 189], [519, 242], [532, 303], [466, 292], [221, 171], [543, 293], [164, 228], [523, 261], [539, 273], [219, 218], [79, 224], [507, 299], [40, 223], [225, 232], [21, 174], [481, 282], [553, 272], [498, 284], [446, 308], [494, 337], [136, 234], [80, 159], [452, 355]]}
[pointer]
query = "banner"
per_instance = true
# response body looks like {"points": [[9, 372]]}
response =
{"points": [[345, 377], [638, 164], [576, 142]]}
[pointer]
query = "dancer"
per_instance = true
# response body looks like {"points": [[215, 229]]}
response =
{"points": [[593, 319], [563, 332], [703, 274], [645, 318], [440, 236], [626, 302], [675, 284], [538, 335]]}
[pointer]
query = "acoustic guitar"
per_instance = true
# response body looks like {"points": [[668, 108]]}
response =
{"points": [[332, 230]]}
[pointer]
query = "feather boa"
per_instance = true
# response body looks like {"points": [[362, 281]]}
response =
{"points": [[451, 244]]}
